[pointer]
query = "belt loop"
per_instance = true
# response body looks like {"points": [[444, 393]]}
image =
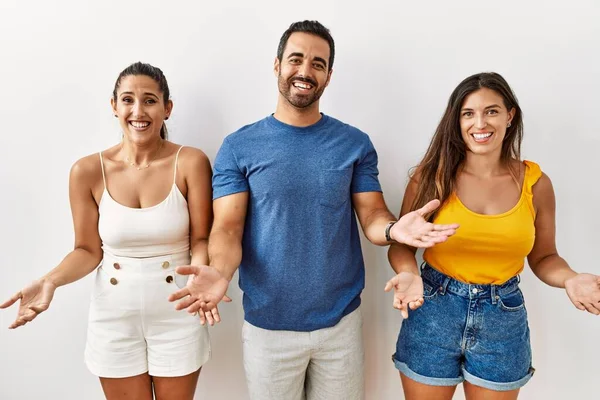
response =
{"points": [[445, 285], [518, 279], [493, 294]]}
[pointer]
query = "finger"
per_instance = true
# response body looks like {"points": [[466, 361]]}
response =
{"points": [[195, 307], [404, 310], [226, 299], [591, 309], [40, 308], [215, 314], [447, 227], [208, 314], [579, 305], [12, 300], [180, 294], [202, 317], [185, 303], [187, 270], [420, 243], [429, 207], [389, 285], [445, 233]]}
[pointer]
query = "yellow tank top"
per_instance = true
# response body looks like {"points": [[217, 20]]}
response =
{"points": [[487, 249]]}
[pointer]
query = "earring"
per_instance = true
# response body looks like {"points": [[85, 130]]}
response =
{"points": [[116, 116], [166, 118], [508, 126]]}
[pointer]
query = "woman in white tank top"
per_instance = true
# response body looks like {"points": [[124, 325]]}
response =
{"points": [[139, 209]]}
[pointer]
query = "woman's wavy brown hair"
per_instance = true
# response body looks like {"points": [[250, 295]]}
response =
{"points": [[436, 173]]}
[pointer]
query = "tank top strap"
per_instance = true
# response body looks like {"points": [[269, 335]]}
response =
{"points": [[102, 168], [175, 168], [533, 173]]}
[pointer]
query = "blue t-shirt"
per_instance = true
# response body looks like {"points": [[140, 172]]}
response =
{"points": [[302, 267]]}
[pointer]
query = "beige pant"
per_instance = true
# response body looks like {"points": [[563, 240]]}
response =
{"points": [[326, 364]]}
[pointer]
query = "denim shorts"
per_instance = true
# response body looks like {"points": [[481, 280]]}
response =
{"points": [[477, 333]]}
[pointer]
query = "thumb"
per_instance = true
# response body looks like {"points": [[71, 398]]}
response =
{"points": [[429, 207], [187, 270], [12, 300], [226, 299], [390, 284]]}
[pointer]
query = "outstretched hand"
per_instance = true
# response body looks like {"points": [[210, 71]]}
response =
{"points": [[414, 230], [584, 292], [35, 299], [408, 292], [203, 292]]}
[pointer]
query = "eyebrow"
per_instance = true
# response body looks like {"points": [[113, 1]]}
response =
{"points": [[318, 59], [488, 107], [145, 94]]}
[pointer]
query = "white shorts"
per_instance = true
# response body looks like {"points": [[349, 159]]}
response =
{"points": [[326, 364], [134, 329]]}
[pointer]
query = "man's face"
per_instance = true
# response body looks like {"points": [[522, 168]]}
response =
{"points": [[303, 72]]}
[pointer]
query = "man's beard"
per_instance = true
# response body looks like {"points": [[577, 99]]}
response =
{"points": [[299, 101]]}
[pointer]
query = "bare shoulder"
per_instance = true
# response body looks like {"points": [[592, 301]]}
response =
{"points": [[543, 194], [193, 160], [543, 186], [87, 170]]}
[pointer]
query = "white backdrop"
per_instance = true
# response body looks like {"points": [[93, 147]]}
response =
{"points": [[396, 65]]}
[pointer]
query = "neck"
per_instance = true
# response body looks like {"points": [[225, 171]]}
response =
{"points": [[300, 117], [141, 153], [483, 165]]}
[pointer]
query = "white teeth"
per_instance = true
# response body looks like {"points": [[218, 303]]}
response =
{"points": [[137, 124], [480, 136], [302, 85]]}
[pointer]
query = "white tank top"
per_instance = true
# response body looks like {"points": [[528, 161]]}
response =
{"points": [[160, 230]]}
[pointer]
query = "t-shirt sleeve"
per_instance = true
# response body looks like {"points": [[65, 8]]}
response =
{"points": [[364, 178], [228, 178]]}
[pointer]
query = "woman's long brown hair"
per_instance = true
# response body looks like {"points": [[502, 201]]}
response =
{"points": [[436, 173]]}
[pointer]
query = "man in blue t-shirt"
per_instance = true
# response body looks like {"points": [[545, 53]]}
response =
{"points": [[286, 190]]}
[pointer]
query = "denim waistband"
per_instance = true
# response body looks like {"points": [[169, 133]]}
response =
{"points": [[451, 285]]}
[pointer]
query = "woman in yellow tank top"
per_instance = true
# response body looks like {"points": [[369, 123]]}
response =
{"points": [[468, 321]]}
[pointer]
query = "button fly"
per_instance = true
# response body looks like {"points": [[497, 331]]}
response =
{"points": [[169, 279], [113, 281], [475, 291], [117, 266], [166, 264]]}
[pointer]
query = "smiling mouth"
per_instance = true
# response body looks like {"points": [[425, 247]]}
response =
{"points": [[481, 137], [139, 124], [302, 86]]}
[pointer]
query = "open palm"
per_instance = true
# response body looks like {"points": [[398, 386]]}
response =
{"points": [[584, 292], [414, 230], [408, 292], [35, 299], [204, 290]]}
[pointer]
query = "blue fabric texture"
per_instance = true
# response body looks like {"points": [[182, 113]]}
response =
{"points": [[477, 333], [302, 267]]}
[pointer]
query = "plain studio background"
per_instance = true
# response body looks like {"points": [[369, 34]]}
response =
{"points": [[396, 65]]}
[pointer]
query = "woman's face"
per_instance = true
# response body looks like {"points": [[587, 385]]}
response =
{"points": [[483, 121], [140, 108]]}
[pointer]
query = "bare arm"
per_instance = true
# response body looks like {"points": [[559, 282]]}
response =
{"points": [[225, 244], [85, 257], [401, 256], [373, 215], [543, 259], [583, 289], [198, 174]]}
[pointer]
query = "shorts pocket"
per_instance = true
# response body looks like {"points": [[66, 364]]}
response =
{"points": [[429, 290], [335, 187], [102, 283], [513, 301]]}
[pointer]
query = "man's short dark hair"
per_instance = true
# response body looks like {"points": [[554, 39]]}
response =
{"points": [[313, 28]]}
